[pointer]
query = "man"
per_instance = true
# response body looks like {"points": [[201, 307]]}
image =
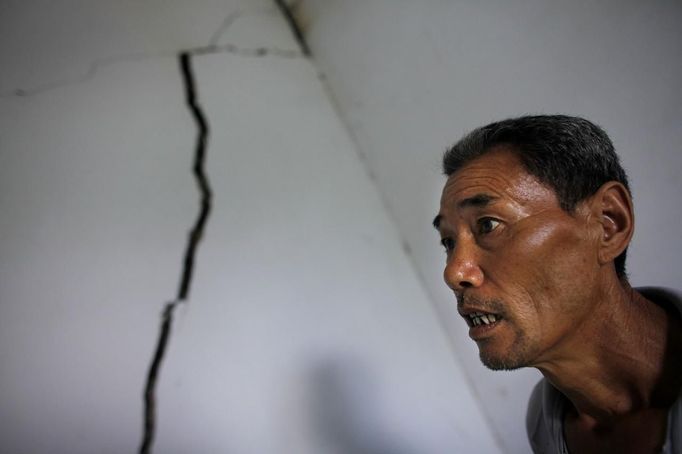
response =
{"points": [[536, 217]]}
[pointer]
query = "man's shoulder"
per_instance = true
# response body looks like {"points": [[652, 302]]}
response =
{"points": [[663, 295], [540, 406], [671, 298], [534, 411], [543, 417]]}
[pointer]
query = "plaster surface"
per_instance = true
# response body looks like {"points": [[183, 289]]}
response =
{"points": [[306, 329]]}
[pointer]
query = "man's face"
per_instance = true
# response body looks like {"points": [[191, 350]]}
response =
{"points": [[514, 256]]}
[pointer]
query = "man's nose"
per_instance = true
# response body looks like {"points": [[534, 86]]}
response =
{"points": [[462, 269]]}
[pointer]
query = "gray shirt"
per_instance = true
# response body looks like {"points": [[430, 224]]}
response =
{"points": [[546, 408]]}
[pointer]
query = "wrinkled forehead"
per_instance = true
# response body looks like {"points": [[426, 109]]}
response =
{"points": [[496, 177]]}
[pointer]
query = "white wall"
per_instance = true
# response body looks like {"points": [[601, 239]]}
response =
{"points": [[307, 329], [411, 77]]}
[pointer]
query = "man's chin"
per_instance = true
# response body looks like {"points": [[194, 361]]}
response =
{"points": [[497, 361], [497, 364]]}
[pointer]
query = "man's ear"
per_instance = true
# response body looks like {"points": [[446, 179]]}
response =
{"points": [[612, 206]]}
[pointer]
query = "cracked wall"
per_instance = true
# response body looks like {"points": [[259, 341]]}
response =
{"points": [[305, 330]]}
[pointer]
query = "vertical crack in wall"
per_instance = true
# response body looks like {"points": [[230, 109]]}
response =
{"points": [[199, 174], [195, 235], [188, 263]]}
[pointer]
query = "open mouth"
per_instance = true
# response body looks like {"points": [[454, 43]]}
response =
{"points": [[479, 318]]}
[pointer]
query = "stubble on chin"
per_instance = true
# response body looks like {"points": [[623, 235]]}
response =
{"points": [[499, 363], [518, 355]]}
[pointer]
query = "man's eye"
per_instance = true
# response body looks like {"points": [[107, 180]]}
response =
{"points": [[448, 244], [487, 225]]}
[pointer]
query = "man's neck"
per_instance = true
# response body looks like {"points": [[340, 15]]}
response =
{"points": [[624, 360]]}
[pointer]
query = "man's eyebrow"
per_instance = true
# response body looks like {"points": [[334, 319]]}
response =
{"points": [[477, 201], [436, 221]]}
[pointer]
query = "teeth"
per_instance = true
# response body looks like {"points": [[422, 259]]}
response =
{"points": [[478, 318]]}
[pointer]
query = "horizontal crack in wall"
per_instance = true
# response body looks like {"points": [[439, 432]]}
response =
{"points": [[212, 48]]}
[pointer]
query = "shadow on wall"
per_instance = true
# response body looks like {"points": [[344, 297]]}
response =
{"points": [[346, 410]]}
